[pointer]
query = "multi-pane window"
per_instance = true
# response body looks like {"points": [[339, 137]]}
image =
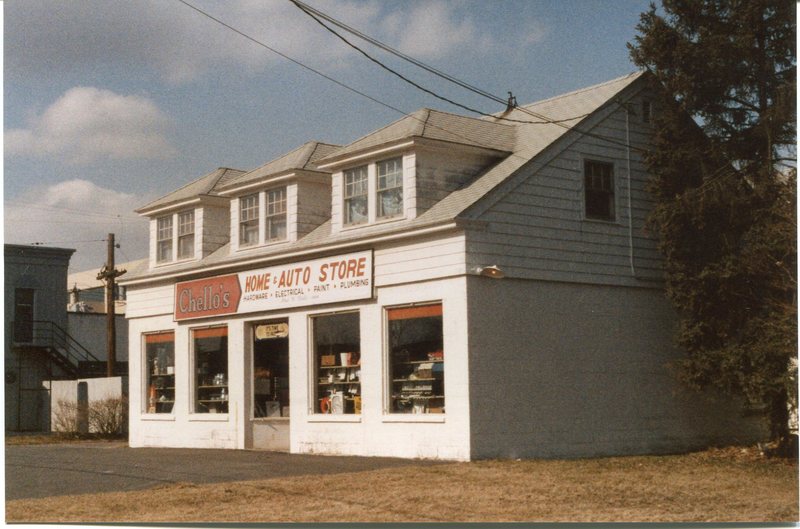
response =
{"points": [[276, 214], [416, 359], [160, 366], [248, 220], [186, 235], [390, 188], [337, 357], [647, 111], [599, 190], [355, 195], [210, 348], [164, 239]]}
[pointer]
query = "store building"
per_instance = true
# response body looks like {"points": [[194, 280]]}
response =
{"points": [[445, 287]]}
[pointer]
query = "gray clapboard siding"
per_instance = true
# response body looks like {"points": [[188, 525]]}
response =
{"points": [[538, 229], [429, 258], [149, 301], [215, 226], [313, 206]]}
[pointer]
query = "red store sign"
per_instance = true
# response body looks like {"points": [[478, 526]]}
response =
{"points": [[327, 280]]}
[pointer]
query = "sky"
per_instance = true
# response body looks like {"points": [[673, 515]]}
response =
{"points": [[109, 104]]}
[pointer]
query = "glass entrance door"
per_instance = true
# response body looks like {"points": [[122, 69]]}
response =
{"points": [[271, 370], [269, 388]]}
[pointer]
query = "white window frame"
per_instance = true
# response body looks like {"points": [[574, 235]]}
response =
{"points": [[373, 190], [275, 212], [186, 231], [396, 176], [356, 189], [388, 386], [164, 238], [249, 220]]}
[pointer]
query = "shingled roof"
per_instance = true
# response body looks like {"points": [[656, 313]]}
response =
{"points": [[559, 117], [435, 125], [205, 185], [302, 158]]}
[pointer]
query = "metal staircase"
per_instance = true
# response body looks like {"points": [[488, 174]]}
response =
{"points": [[65, 352]]}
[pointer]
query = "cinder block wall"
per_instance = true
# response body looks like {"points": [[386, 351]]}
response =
{"points": [[576, 370]]}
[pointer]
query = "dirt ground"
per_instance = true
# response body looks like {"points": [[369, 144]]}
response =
{"points": [[730, 485]]}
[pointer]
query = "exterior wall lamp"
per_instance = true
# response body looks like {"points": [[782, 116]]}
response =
{"points": [[492, 271]]}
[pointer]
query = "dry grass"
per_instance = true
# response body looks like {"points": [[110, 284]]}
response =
{"points": [[64, 438], [721, 486]]}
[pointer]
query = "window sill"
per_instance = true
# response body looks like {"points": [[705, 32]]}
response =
{"points": [[414, 417], [157, 417], [377, 222], [610, 222], [266, 244], [270, 419], [352, 418], [176, 262], [208, 417]]}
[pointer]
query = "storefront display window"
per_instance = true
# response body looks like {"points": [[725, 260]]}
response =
{"points": [[210, 348], [160, 366], [337, 357], [271, 370], [416, 359]]}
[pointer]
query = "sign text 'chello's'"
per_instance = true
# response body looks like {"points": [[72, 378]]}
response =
{"points": [[328, 280]]}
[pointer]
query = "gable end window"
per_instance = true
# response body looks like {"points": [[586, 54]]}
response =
{"points": [[248, 220], [164, 239], [355, 196], [390, 188], [598, 178], [186, 235]]}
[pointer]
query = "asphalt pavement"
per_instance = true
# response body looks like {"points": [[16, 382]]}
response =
{"points": [[38, 471]]}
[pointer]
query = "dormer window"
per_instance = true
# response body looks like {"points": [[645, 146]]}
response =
{"points": [[175, 237], [248, 220], [164, 239], [186, 235], [263, 217], [390, 188], [356, 202], [276, 214]]}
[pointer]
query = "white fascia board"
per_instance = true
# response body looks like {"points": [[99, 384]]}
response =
{"points": [[258, 184], [288, 256], [366, 154], [168, 207]]}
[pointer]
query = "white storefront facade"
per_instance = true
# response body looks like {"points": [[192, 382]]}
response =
{"points": [[445, 287]]}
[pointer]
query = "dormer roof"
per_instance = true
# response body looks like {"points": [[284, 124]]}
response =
{"points": [[206, 185], [433, 125], [303, 158]]}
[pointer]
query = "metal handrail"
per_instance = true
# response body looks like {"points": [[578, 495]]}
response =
{"points": [[45, 333]]}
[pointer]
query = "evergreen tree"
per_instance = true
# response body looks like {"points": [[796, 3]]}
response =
{"points": [[723, 159]]}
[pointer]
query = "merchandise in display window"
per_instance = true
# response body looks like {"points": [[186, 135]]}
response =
{"points": [[211, 369], [416, 359], [160, 367], [337, 357]]}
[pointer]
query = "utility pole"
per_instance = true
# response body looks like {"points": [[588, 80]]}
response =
{"points": [[109, 274]]}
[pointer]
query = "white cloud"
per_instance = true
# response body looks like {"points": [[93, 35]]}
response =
{"points": [[86, 124], [182, 44], [78, 214], [434, 30]]}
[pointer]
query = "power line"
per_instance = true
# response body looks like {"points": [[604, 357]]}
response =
{"points": [[384, 104], [73, 210], [288, 58], [426, 90], [545, 119], [397, 53]]}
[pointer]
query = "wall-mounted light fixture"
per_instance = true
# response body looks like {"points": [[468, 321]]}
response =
{"points": [[492, 271]]}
